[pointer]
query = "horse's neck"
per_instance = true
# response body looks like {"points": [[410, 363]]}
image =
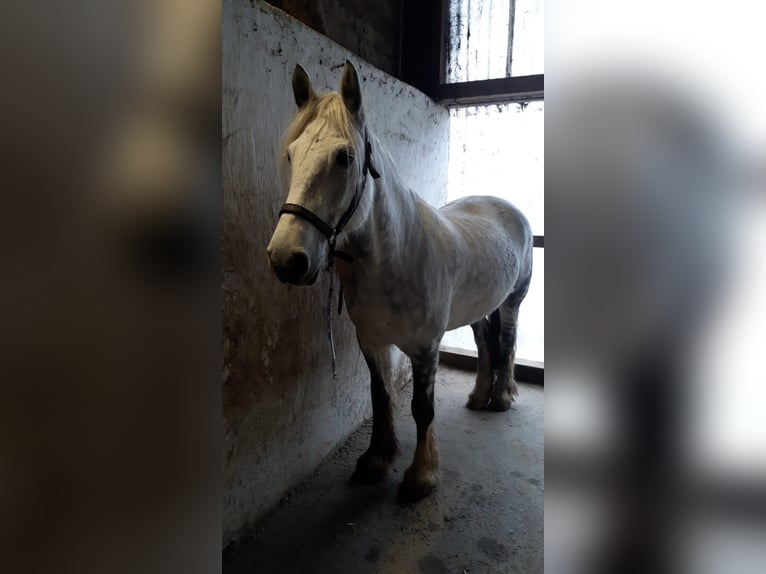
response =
{"points": [[394, 215]]}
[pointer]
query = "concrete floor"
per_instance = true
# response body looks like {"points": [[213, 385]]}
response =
{"points": [[486, 515]]}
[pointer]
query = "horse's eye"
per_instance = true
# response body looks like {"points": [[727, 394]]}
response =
{"points": [[288, 157], [344, 159]]}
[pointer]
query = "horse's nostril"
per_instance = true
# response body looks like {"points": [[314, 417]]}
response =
{"points": [[299, 264], [290, 266]]}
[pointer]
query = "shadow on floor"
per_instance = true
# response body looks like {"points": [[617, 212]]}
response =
{"points": [[486, 516]]}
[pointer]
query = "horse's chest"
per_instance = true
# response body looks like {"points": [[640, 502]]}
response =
{"points": [[386, 310]]}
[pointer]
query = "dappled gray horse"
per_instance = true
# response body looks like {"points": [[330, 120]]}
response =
{"points": [[410, 272]]}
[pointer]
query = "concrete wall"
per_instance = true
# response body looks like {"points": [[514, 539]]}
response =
{"points": [[283, 412], [370, 29]]}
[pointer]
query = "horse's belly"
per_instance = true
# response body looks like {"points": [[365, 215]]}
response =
{"points": [[471, 307], [392, 317], [494, 241], [380, 327]]}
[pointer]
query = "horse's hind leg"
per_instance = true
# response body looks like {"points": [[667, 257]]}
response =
{"points": [[423, 474], [505, 385], [377, 459], [486, 344]]}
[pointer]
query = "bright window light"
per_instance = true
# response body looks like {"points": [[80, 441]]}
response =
{"points": [[496, 39], [499, 150]]}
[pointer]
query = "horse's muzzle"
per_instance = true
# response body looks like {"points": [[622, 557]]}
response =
{"points": [[293, 268]]}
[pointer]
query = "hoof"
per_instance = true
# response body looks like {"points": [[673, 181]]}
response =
{"points": [[413, 493], [501, 402], [476, 402], [370, 468], [415, 488]]}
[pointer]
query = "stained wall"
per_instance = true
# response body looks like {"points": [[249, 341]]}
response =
{"points": [[282, 410], [371, 29]]}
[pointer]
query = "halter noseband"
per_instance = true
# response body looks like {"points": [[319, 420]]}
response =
{"points": [[331, 233]]}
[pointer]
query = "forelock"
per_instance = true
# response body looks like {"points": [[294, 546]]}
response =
{"points": [[328, 107]]}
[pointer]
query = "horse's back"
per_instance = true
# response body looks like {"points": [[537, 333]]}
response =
{"points": [[468, 212], [494, 241]]}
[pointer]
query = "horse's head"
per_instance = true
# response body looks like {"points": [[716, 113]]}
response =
{"points": [[323, 156]]}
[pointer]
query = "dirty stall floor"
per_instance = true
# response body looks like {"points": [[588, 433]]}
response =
{"points": [[486, 515]]}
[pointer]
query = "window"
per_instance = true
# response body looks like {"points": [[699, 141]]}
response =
{"points": [[494, 39], [498, 148], [484, 59]]}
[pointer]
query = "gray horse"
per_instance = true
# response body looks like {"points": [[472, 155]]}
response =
{"points": [[410, 272]]}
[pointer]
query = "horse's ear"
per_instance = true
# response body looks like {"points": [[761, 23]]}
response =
{"points": [[302, 90], [350, 90]]}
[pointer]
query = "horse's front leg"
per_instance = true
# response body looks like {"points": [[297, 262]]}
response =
{"points": [[423, 474], [375, 462]]}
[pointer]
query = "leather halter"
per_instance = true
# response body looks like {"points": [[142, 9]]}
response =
{"points": [[331, 233]]}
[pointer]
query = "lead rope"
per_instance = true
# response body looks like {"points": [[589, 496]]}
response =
{"points": [[329, 325], [332, 237], [331, 271]]}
